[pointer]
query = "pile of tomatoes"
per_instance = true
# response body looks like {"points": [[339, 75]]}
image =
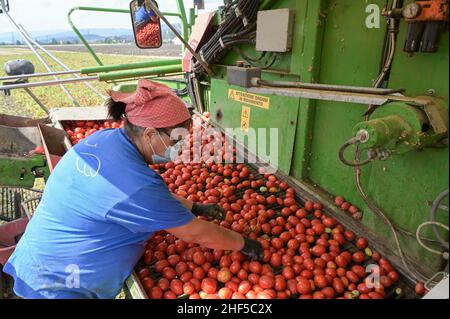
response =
{"points": [[344, 205], [78, 130], [307, 254], [149, 36]]}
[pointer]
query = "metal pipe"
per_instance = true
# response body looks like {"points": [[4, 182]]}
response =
{"points": [[184, 20], [47, 83], [174, 30], [38, 102], [111, 10], [37, 75], [54, 58], [327, 87], [139, 73], [78, 33], [74, 101], [129, 66]]}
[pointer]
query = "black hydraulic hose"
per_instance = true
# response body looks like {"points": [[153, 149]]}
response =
{"points": [[433, 213]]}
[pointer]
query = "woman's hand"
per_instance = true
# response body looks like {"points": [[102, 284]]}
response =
{"points": [[212, 211]]}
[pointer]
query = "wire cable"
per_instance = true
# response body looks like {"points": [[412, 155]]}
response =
{"points": [[378, 82], [431, 250], [437, 202]]}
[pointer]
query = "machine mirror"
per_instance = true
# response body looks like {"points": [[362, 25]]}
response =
{"points": [[6, 4], [146, 24]]}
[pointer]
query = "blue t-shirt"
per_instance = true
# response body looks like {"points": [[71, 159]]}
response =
{"points": [[100, 206], [142, 15]]}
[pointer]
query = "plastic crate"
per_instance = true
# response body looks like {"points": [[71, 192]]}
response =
{"points": [[17, 202]]}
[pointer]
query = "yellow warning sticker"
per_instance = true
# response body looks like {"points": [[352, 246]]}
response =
{"points": [[245, 118], [248, 98]]}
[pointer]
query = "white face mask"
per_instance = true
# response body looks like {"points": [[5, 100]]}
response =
{"points": [[167, 157]]}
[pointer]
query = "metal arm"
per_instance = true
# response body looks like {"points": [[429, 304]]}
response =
{"points": [[112, 10]]}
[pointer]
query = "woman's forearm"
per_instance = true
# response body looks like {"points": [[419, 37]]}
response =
{"points": [[185, 202], [209, 235]]}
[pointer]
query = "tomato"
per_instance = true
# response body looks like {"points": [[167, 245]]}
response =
{"points": [[170, 295], [358, 257], [280, 283], [164, 284], [352, 276], [420, 289], [224, 275], [169, 273], [275, 260], [188, 288], [359, 271], [255, 267], [155, 293], [304, 286], [237, 295], [244, 287], [209, 285], [341, 261], [319, 229], [148, 283], [393, 275], [199, 258], [174, 260], [225, 293], [277, 243], [329, 222], [338, 285], [144, 272], [199, 273], [328, 292], [309, 206], [161, 264], [361, 243], [318, 250], [320, 281], [349, 235], [375, 295], [225, 261], [266, 282], [176, 286]]}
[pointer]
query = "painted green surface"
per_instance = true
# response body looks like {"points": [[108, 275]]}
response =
{"points": [[332, 45], [129, 66], [132, 74], [281, 114], [18, 172]]}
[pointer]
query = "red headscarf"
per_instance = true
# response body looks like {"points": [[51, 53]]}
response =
{"points": [[153, 105]]}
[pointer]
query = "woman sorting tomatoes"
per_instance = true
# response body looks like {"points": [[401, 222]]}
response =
{"points": [[103, 202]]}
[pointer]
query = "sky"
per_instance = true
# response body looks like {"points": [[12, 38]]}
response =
{"points": [[45, 15]]}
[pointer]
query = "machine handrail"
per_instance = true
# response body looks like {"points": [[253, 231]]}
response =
{"points": [[181, 14]]}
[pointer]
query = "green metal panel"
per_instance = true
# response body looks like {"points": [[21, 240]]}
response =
{"points": [[332, 45], [281, 114], [403, 185], [19, 172]]}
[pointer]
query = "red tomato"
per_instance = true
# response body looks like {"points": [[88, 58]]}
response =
{"points": [[209, 285]]}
